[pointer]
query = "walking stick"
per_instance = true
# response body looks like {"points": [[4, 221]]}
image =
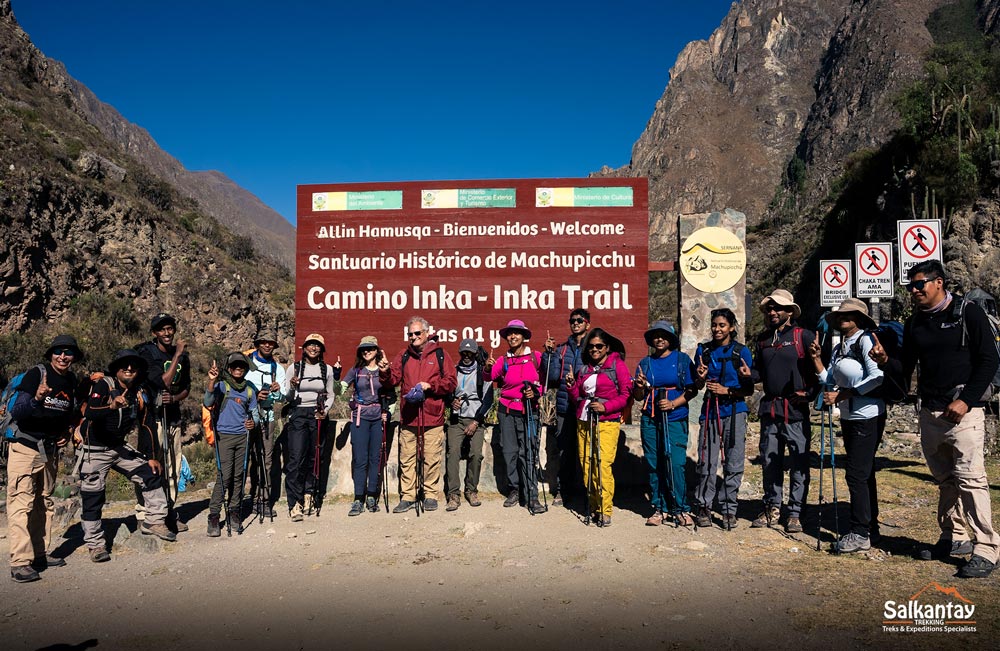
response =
{"points": [[833, 473], [316, 466], [532, 468], [243, 478], [420, 463], [589, 455], [668, 467], [600, 479], [822, 454], [383, 473], [222, 480]]}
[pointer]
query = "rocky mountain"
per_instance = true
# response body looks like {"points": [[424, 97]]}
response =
{"points": [[96, 241], [786, 111]]}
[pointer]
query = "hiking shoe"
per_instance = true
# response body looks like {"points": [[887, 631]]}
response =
{"points": [[295, 513], [430, 504], [48, 561], [356, 508], [535, 507], [853, 542], [404, 506], [557, 500], [944, 549], [453, 502], [307, 504], [977, 568], [472, 497], [371, 504], [794, 525], [160, 530], [655, 520], [703, 518], [214, 528], [99, 555], [604, 521], [511, 500], [729, 521], [24, 574], [768, 518]]}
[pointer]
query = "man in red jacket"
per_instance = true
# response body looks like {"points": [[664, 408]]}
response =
{"points": [[425, 374]]}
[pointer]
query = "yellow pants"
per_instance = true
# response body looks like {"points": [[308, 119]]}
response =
{"points": [[30, 482], [602, 484]]}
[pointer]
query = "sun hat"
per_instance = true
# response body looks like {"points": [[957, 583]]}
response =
{"points": [[65, 341], [666, 327], [855, 307], [318, 339], [515, 325], [784, 298]]}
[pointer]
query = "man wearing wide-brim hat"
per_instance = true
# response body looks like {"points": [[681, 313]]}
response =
{"points": [[783, 368], [267, 375], [43, 413]]}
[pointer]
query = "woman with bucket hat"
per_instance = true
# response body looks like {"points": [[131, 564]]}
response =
{"points": [[368, 421], [309, 389], [519, 377], [851, 380], [665, 382], [43, 413]]}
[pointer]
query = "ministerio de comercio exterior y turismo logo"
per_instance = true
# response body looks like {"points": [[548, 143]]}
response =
{"points": [[933, 609]]}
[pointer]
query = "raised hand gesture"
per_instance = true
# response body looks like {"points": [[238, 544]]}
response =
{"points": [[337, 364], [491, 360], [815, 349], [42, 391], [213, 376], [744, 370], [550, 343], [877, 353]]}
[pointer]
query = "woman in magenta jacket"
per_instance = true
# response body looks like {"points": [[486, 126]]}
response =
{"points": [[602, 394]]}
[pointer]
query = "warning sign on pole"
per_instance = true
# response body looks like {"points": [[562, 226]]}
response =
{"points": [[835, 282], [919, 240], [873, 262]]}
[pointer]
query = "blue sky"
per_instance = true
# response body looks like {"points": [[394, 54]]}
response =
{"points": [[276, 94]]}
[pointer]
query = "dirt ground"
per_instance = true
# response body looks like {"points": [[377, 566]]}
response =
{"points": [[491, 577]]}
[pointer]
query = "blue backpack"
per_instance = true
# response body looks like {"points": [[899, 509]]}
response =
{"points": [[7, 400]]}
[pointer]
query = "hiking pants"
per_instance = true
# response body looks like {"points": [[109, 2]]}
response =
{"points": [[262, 461], [457, 442], [562, 462], [732, 430], [517, 456], [94, 466], [300, 439], [665, 463], [170, 457], [30, 482], [600, 480], [775, 436], [366, 455], [232, 452], [861, 441], [954, 454], [433, 453]]}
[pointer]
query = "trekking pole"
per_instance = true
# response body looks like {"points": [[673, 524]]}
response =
{"points": [[600, 480], [589, 455], [668, 467], [383, 461], [730, 442], [222, 480], [532, 469], [168, 454], [420, 465], [822, 454], [833, 473], [316, 465], [243, 478]]}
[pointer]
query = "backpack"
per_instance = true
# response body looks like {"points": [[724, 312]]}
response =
{"points": [[796, 341], [210, 415], [890, 334], [439, 352], [80, 432], [7, 424], [985, 302]]}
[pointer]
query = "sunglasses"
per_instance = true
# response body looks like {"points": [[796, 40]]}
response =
{"points": [[596, 346], [130, 367], [774, 308], [577, 321], [918, 285], [68, 352], [415, 333]]}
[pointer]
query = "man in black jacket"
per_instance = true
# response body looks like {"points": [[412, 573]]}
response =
{"points": [[952, 341]]}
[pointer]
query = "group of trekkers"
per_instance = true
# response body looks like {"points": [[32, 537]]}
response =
{"points": [[264, 420]]}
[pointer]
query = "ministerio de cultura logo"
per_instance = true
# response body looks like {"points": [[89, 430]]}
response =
{"points": [[933, 609]]}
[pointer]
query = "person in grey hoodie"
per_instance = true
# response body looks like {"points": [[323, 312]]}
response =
{"points": [[472, 400]]}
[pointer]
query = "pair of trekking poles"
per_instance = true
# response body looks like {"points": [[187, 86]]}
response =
{"points": [[594, 479], [532, 464], [826, 432], [723, 443]]}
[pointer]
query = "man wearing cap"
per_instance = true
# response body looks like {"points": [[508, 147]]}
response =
{"points": [[44, 412], [950, 337], [425, 374], [472, 400], [168, 380], [117, 405], [788, 378], [562, 467], [267, 375], [849, 383]]}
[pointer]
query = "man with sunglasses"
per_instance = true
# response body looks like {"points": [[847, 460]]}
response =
{"points": [[168, 380], [425, 374], [44, 412], [562, 467], [950, 337]]}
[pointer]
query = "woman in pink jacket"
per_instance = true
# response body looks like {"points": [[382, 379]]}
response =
{"points": [[602, 394], [517, 374]]}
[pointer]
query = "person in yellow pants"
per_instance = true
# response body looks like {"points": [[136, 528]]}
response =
{"points": [[602, 393]]}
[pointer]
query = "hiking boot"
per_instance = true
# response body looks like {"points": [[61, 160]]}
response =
{"points": [[214, 528], [160, 530], [307, 504], [472, 497], [99, 555], [371, 504], [703, 518], [535, 507], [356, 508], [853, 542], [655, 520], [603, 521], [768, 518], [729, 521], [430, 504], [295, 513], [24, 574], [404, 506], [943, 549], [511, 500], [977, 568], [453, 502], [174, 523], [48, 561], [557, 500], [794, 525]]}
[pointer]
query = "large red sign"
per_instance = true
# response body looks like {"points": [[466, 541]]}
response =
{"points": [[468, 256]]}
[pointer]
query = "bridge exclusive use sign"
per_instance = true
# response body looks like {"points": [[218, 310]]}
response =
{"points": [[469, 256]]}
